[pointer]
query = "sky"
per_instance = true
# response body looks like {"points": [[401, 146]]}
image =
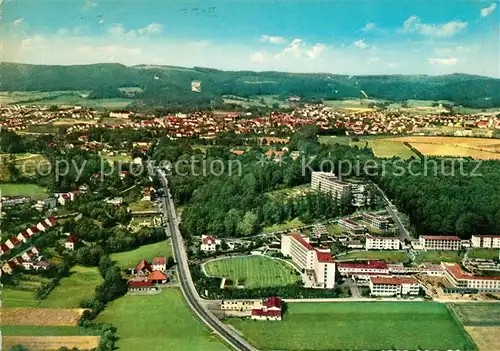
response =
{"points": [[339, 36]]}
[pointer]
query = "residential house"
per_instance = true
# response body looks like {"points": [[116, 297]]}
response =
{"points": [[271, 311], [209, 243], [4, 249], [160, 264], [143, 268], [23, 236], [157, 277], [71, 242], [12, 242], [8, 267]]}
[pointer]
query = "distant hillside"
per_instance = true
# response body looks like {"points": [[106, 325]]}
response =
{"points": [[172, 86]]}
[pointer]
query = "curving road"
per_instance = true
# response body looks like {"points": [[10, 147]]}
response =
{"points": [[186, 283]]}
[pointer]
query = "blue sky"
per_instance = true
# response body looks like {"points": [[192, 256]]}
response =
{"points": [[342, 36]]}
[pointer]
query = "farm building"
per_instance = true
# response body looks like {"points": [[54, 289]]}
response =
{"points": [[270, 311]]}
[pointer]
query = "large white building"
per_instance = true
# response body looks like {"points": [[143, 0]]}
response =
{"points": [[382, 243], [466, 281], [328, 183], [376, 221], [393, 286], [363, 270], [444, 243], [316, 264], [486, 241]]}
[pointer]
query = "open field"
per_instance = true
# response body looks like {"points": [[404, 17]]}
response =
{"points": [[380, 146], [158, 323], [142, 205], [34, 191], [360, 105], [40, 316], [477, 314], [358, 326], [256, 271], [36, 343], [299, 190], [117, 159], [23, 294], [478, 148], [490, 254], [72, 290], [486, 338], [131, 258], [387, 256], [294, 223], [438, 256]]}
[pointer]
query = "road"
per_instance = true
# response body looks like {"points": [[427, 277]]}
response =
{"points": [[187, 286]]}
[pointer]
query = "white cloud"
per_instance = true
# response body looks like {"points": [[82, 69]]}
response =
{"points": [[272, 39], [18, 22], [393, 65], [32, 42], [449, 29], [116, 29], [488, 10], [150, 29], [369, 27], [316, 50], [360, 44], [258, 57], [294, 49], [63, 31], [90, 5], [443, 61]]}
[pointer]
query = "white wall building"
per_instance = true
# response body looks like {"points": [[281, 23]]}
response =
{"points": [[382, 243], [209, 243], [465, 280], [328, 183], [315, 263], [392, 286], [444, 243], [486, 241]]}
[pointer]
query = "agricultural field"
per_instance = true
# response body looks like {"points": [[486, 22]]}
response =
{"points": [[439, 256], [72, 290], [489, 254], [486, 338], [256, 271], [360, 105], [358, 326], [158, 322], [23, 294], [387, 256], [41, 316], [477, 148], [131, 258], [52, 342], [34, 191], [381, 147]]}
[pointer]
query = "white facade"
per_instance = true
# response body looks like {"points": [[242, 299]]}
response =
{"points": [[209, 243], [316, 263], [389, 286], [464, 280], [328, 183], [443, 243], [486, 241], [351, 226], [382, 243]]}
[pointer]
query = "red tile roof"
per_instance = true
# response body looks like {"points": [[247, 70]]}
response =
{"points": [[4, 247], [302, 241], [208, 240], [157, 275], [270, 313], [370, 264], [393, 281], [136, 284], [143, 265], [273, 301], [441, 237], [325, 257], [14, 240], [159, 260], [456, 271], [488, 236], [72, 239]]}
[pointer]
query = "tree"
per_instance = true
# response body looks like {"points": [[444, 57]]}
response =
{"points": [[104, 264]]}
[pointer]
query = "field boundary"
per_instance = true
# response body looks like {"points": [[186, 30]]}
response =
{"points": [[461, 325]]}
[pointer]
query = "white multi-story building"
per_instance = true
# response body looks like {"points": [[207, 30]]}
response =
{"points": [[328, 183], [317, 264], [392, 286], [466, 281], [486, 241], [445, 243], [363, 270], [382, 243], [351, 226], [376, 221]]}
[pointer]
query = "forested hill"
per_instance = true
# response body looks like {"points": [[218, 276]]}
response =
{"points": [[174, 83]]}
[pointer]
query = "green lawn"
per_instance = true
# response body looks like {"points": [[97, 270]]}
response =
{"points": [[257, 271], [439, 256], [158, 323], [23, 294], [34, 191], [381, 148], [387, 256], [477, 313], [358, 326], [117, 158], [294, 223], [143, 206], [334, 229], [490, 254], [25, 330], [72, 290], [130, 259]]}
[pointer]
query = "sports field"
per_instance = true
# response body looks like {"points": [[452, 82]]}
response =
{"points": [[158, 323], [130, 259], [381, 147], [387, 256], [72, 290], [256, 271], [358, 326], [490, 254], [34, 191], [477, 148]]}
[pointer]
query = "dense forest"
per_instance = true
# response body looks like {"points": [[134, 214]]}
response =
{"points": [[173, 87]]}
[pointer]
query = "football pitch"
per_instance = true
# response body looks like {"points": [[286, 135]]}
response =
{"points": [[359, 326], [255, 271]]}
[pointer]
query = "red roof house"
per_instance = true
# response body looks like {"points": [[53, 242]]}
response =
{"points": [[143, 268], [157, 277]]}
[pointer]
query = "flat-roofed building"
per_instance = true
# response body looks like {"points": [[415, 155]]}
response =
{"points": [[393, 286], [328, 183], [444, 243], [382, 243], [351, 226], [363, 270], [486, 241], [315, 263], [376, 221]]}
